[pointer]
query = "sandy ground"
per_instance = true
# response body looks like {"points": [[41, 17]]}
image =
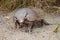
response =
{"points": [[42, 33]]}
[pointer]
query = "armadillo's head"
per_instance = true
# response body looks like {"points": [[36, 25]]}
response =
{"points": [[21, 21]]}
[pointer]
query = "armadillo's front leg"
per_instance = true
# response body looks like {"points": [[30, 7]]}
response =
{"points": [[30, 26], [15, 25]]}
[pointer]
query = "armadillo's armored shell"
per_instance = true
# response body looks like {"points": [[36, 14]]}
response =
{"points": [[25, 13], [31, 16], [34, 14]]}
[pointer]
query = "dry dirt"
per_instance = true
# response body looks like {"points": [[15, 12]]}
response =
{"points": [[42, 33]]}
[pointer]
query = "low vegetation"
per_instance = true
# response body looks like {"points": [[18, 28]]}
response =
{"points": [[46, 5]]}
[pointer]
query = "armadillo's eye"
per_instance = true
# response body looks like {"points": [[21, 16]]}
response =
{"points": [[15, 17]]}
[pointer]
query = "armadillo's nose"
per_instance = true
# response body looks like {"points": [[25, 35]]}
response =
{"points": [[21, 22]]}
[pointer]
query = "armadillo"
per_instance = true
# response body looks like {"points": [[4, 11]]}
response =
{"points": [[28, 16]]}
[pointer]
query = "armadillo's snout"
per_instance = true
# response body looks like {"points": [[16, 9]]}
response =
{"points": [[21, 22]]}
